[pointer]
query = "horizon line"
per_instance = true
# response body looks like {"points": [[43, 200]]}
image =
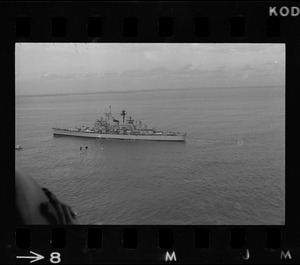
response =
{"points": [[137, 91]]}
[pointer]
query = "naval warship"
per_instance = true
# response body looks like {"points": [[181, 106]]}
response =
{"points": [[108, 127]]}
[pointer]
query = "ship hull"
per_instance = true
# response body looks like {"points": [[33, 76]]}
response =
{"points": [[176, 138]]}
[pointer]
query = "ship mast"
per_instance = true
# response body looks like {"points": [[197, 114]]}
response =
{"points": [[123, 113]]}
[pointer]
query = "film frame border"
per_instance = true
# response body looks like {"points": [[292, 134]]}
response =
{"points": [[183, 14]]}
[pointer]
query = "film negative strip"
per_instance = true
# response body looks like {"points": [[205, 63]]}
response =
{"points": [[204, 97]]}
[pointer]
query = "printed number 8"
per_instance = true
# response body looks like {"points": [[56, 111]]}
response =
{"points": [[55, 257]]}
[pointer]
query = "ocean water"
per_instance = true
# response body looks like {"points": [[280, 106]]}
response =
{"points": [[230, 171]]}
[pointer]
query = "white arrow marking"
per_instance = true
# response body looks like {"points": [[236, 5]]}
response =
{"points": [[35, 258]]}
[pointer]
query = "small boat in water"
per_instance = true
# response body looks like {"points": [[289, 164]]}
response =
{"points": [[18, 147]]}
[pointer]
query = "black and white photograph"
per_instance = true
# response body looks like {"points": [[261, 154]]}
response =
{"points": [[150, 133]]}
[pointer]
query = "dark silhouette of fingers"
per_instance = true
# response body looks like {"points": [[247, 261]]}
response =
{"points": [[64, 212], [58, 207], [44, 210], [74, 214], [67, 214]]}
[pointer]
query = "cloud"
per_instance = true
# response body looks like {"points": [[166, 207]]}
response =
{"points": [[186, 67], [273, 66], [245, 68], [150, 56], [246, 48], [158, 73], [118, 65], [51, 77]]}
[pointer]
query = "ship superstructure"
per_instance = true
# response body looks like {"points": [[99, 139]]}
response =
{"points": [[108, 127]]}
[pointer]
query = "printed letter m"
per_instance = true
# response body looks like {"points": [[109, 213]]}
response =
{"points": [[170, 258], [285, 255]]}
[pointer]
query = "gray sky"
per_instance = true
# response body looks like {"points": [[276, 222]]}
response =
{"points": [[47, 68]]}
